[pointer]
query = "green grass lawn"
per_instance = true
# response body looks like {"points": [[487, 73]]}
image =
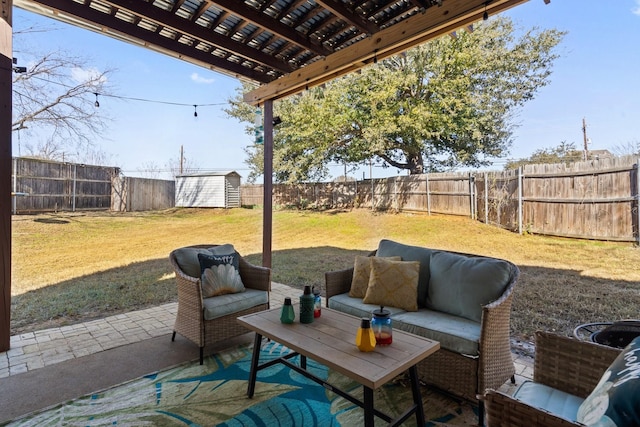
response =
{"points": [[69, 268]]}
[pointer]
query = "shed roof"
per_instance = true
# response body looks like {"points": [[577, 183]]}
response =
{"points": [[217, 173]]}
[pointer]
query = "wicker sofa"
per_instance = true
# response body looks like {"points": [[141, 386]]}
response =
{"points": [[566, 371], [207, 320], [474, 355]]}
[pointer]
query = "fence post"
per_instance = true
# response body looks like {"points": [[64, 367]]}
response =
{"points": [[14, 198], [471, 204], [73, 196], [638, 201], [520, 200], [373, 191], [428, 194], [395, 194], [486, 198]]}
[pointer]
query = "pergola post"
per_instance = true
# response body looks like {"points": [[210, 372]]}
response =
{"points": [[6, 70], [267, 215]]}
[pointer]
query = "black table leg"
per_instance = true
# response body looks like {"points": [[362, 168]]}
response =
{"points": [[303, 362], [368, 406], [257, 341], [417, 396]]}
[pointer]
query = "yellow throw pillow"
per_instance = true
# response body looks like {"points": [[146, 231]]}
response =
{"points": [[361, 273], [393, 283]]}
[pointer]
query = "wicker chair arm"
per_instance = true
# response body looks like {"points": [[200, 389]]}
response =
{"points": [[504, 411], [337, 282], [570, 365], [496, 361], [255, 277]]}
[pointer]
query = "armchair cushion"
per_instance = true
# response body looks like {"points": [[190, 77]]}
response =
{"points": [[462, 285], [616, 399], [393, 283], [220, 274], [559, 403], [224, 305], [361, 274]]}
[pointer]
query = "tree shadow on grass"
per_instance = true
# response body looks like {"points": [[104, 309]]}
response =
{"points": [[547, 299], [150, 283]]}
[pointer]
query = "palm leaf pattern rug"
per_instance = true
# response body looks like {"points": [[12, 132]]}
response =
{"points": [[214, 394]]}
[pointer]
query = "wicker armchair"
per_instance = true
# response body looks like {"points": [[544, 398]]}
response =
{"points": [[190, 321], [461, 375], [565, 364]]}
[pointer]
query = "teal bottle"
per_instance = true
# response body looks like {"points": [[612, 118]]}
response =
{"points": [[307, 304], [287, 315]]}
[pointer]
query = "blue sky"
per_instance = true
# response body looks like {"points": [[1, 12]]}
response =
{"points": [[596, 78]]}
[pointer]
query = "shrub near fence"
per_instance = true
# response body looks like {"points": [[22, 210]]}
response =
{"points": [[592, 200]]}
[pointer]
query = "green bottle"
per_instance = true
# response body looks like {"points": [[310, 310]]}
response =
{"points": [[287, 315], [307, 303]]}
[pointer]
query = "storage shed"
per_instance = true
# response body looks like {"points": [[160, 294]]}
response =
{"points": [[208, 190]]}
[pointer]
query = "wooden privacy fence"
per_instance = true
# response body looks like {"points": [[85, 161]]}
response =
{"points": [[45, 186], [142, 194], [591, 200]]}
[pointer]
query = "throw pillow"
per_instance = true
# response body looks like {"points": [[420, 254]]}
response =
{"points": [[410, 253], [393, 283], [462, 285], [187, 257], [361, 273], [220, 274], [616, 399]]}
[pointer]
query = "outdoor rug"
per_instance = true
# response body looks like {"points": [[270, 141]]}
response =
{"points": [[214, 394]]}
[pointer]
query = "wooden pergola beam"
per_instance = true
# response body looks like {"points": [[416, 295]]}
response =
{"points": [[436, 21]]}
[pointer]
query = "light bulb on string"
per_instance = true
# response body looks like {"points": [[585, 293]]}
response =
{"points": [[195, 110], [97, 104], [485, 15]]}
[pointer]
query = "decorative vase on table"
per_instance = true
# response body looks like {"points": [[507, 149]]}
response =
{"points": [[307, 303], [317, 303], [365, 340], [381, 325], [287, 315]]}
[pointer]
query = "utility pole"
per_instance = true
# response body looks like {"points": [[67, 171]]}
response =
{"points": [[586, 140], [181, 158]]}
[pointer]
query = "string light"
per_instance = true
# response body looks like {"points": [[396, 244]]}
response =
{"points": [[195, 112], [485, 15], [129, 98]]}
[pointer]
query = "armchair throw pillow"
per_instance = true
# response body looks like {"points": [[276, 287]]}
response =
{"points": [[616, 399], [393, 283], [220, 274]]}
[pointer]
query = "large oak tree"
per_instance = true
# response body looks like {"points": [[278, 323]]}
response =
{"points": [[445, 104]]}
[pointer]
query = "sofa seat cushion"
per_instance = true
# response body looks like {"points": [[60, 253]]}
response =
{"points": [[388, 248], [223, 305], [454, 333], [559, 403], [355, 306]]}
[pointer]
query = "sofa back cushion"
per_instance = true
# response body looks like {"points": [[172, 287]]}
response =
{"points": [[461, 285], [388, 248]]}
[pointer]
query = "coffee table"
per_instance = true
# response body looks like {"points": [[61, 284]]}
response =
{"points": [[330, 340]]}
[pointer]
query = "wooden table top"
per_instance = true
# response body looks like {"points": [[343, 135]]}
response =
{"points": [[330, 340]]}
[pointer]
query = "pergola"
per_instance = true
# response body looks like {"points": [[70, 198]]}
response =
{"points": [[286, 46]]}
